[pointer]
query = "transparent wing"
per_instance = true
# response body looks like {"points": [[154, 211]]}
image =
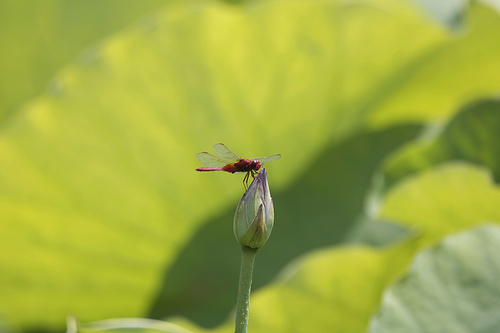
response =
{"points": [[223, 152], [266, 159], [211, 161]]}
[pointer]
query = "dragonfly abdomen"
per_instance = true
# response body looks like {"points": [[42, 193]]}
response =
{"points": [[209, 169]]}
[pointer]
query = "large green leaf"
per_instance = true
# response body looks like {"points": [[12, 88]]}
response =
{"points": [[39, 37], [451, 287], [442, 200], [98, 192], [473, 135]]}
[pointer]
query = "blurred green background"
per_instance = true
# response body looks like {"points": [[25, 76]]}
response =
{"points": [[386, 116]]}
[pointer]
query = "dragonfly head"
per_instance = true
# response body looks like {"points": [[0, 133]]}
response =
{"points": [[255, 165]]}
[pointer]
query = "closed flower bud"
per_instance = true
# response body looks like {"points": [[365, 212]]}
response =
{"points": [[254, 218]]}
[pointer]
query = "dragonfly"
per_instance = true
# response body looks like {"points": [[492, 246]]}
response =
{"points": [[228, 161]]}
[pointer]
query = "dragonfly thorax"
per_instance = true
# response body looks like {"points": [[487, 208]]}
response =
{"points": [[247, 165], [255, 165]]}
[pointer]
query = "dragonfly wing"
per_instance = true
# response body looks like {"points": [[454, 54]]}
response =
{"points": [[211, 161], [223, 152], [266, 159]]}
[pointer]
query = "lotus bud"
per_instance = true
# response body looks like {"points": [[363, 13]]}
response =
{"points": [[254, 217]]}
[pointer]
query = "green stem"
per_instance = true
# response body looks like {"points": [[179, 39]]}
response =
{"points": [[244, 288]]}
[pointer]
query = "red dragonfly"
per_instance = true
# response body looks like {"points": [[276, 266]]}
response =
{"points": [[230, 162]]}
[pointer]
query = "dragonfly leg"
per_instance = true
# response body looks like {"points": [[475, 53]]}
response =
{"points": [[245, 180]]}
